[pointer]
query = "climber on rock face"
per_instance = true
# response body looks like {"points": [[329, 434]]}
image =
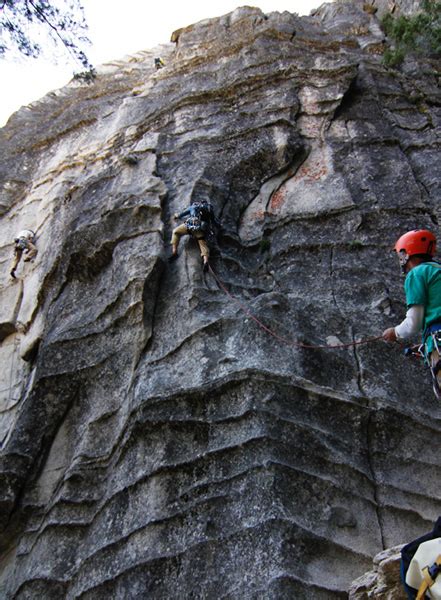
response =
{"points": [[415, 250], [159, 63], [24, 242], [199, 221]]}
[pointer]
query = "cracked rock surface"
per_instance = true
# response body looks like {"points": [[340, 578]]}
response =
{"points": [[155, 441]]}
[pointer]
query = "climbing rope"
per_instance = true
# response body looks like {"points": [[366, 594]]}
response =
{"points": [[282, 339]]}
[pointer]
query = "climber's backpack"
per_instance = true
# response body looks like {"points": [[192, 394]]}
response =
{"points": [[21, 244], [25, 236], [199, 222], [421, 565], [193, 224]]}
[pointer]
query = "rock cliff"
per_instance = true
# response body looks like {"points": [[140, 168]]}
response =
{"points": [[155, 440]]}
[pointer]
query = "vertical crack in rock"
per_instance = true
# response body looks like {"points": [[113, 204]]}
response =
{"points": [[10, 311], [257, 216], [358, 364], [425, 191], [331, 277], [34, 428], [370, 432], [150, 307], [277, 182]]}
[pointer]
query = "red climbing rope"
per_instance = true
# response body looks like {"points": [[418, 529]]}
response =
{"points": [[246, 310]]}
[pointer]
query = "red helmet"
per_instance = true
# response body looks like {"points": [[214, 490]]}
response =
{"points": [[418, 241]]}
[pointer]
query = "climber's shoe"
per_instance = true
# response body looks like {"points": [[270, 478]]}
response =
{"points": [[205, 267], [172, 257]]}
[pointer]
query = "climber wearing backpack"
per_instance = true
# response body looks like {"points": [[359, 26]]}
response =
{"points": [[415, 250], [199, 220], [24, 242], [421, 565]]}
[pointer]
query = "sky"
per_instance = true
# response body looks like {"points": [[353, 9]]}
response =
{"points": [[118, 28]]}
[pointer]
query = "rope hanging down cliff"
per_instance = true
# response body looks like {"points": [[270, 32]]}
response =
{"points": [[282, 339]]}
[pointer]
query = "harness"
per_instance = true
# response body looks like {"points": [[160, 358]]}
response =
{"points": [[433, 331], [430, 574]]}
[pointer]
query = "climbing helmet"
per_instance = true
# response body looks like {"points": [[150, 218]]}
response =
{"points": [[418, 241]]}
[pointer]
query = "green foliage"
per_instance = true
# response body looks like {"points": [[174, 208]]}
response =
{"points": [[31, 26], [88, 76], [420, 33], [395, 57]]}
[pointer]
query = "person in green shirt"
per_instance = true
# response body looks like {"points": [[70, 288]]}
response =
{"points": [[422, 286]]}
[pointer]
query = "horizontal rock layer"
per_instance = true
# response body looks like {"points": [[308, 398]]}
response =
{"points": [[155, 440]]}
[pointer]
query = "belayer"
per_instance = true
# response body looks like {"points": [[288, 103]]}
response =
{"points": [[421, 565], [415, 250], [24, 242], [199, 221]]}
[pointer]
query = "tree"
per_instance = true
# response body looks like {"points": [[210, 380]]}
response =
{"points": [[31, 26], [419, 33]]}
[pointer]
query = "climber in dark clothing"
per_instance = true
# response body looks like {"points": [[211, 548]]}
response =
{"points": [[199, 220]]}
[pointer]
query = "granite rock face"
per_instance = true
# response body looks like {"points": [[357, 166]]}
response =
{"points": [[156, 441], [383, 582]]}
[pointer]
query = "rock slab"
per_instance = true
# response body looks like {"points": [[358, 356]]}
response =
{"points": [[155, 440]]}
